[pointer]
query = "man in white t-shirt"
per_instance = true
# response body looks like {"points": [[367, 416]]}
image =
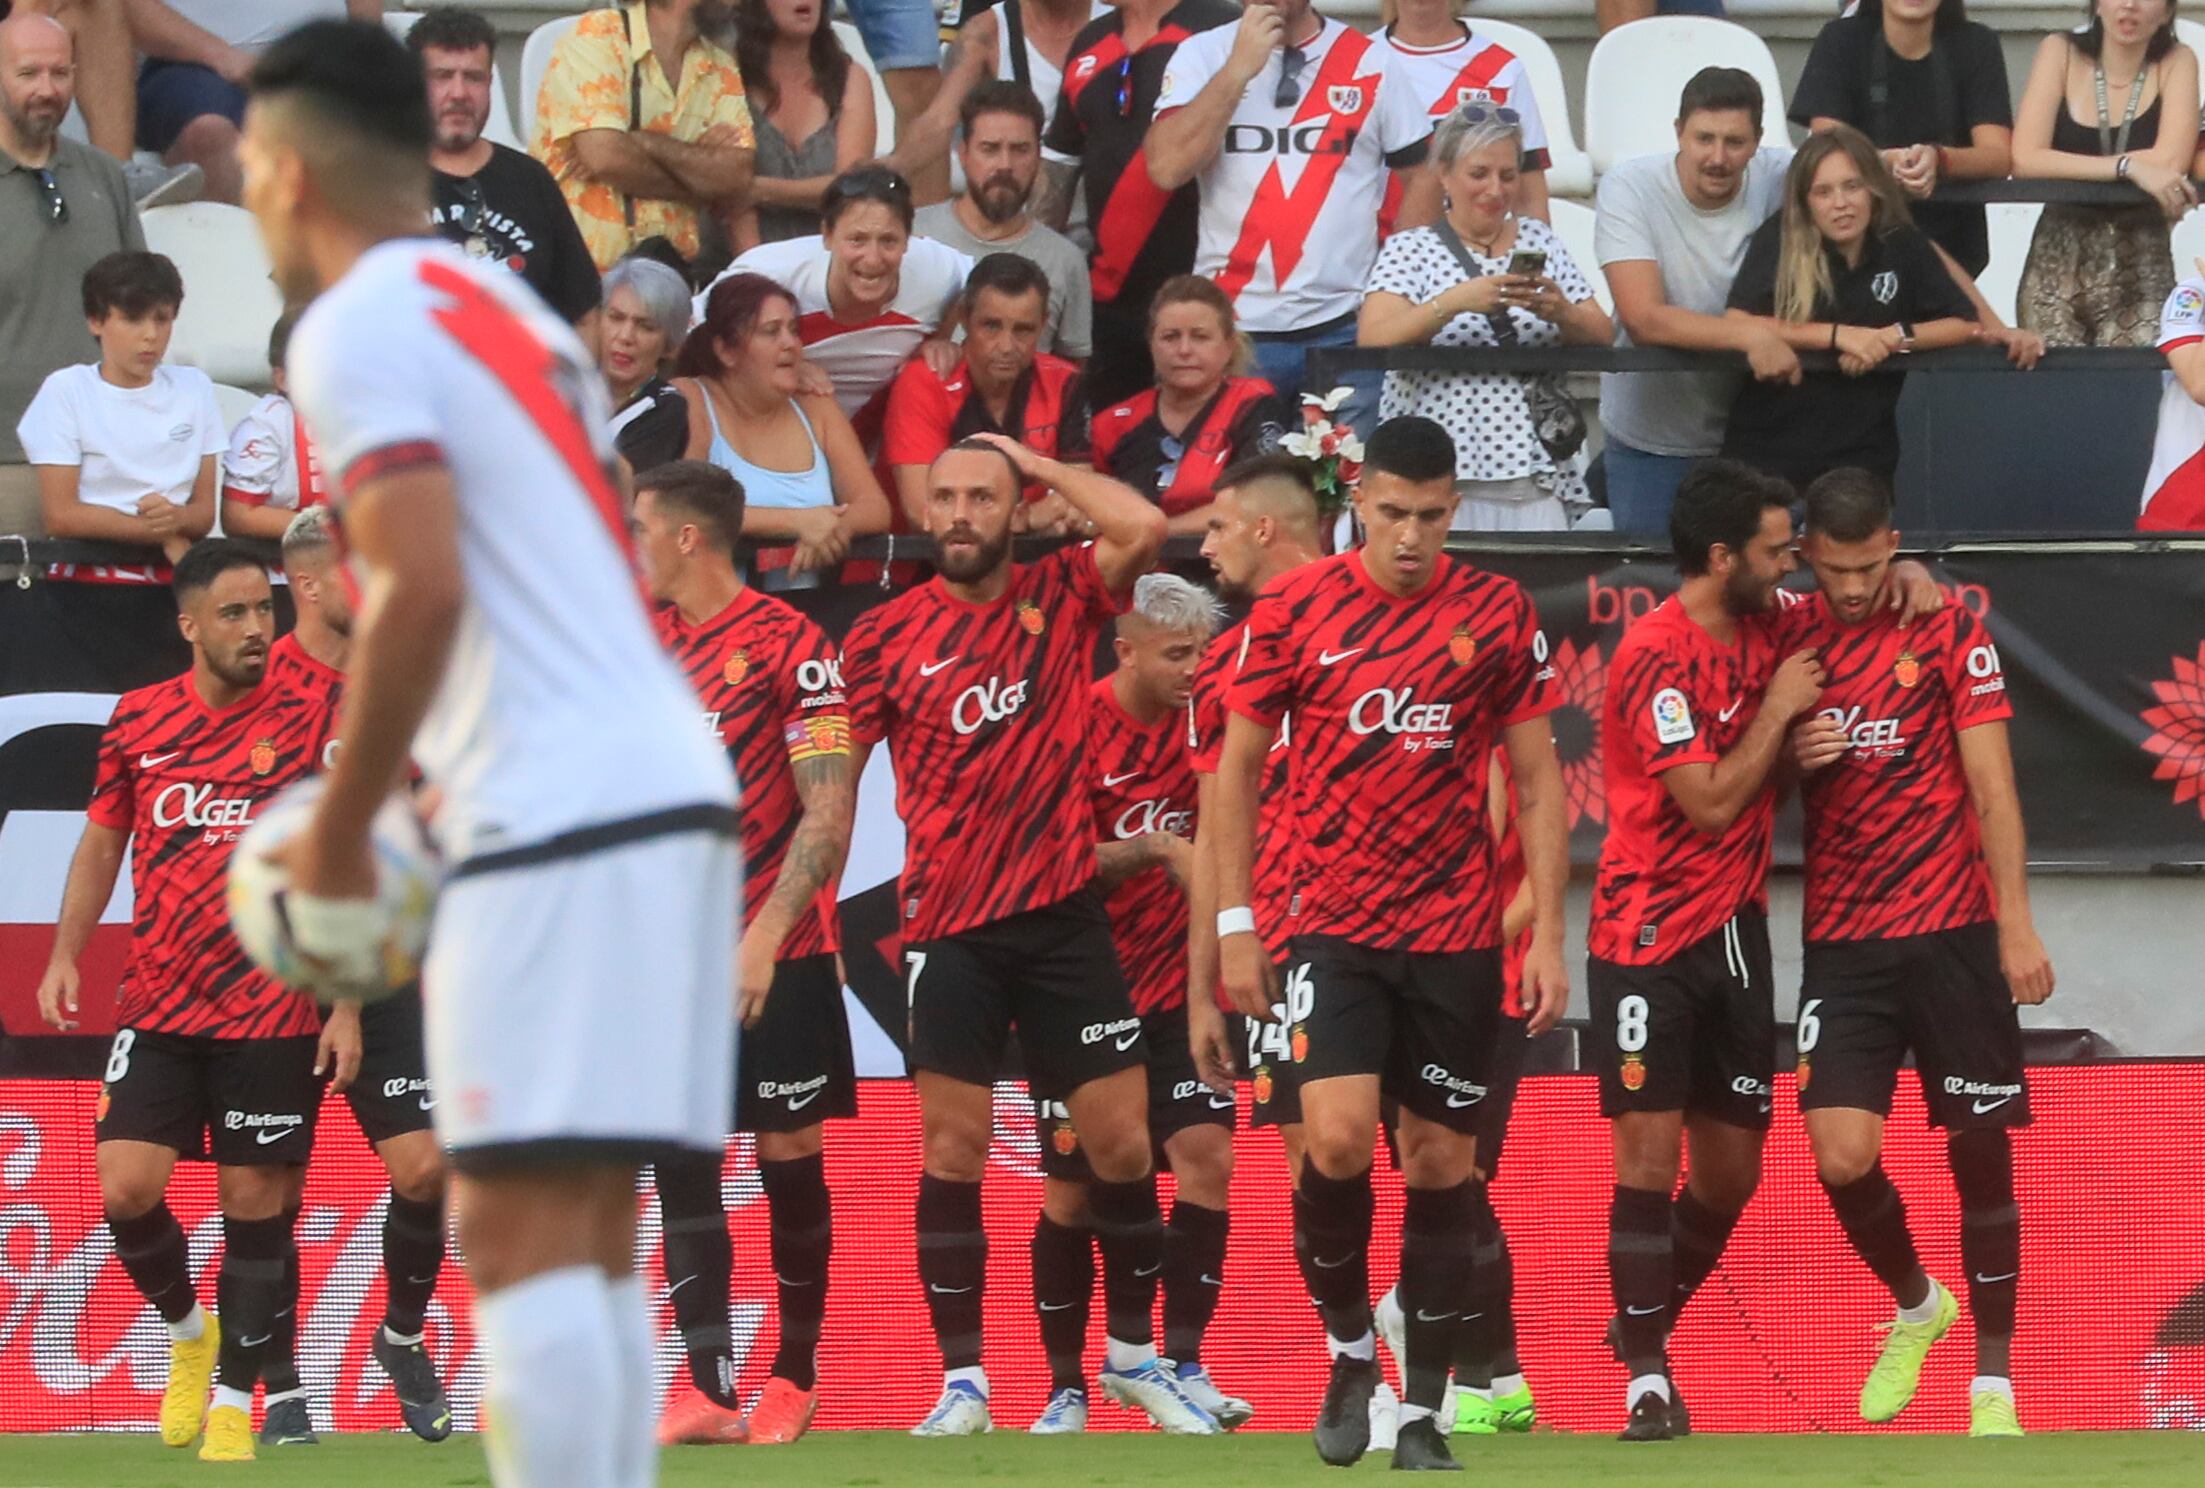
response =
{"points": [[1290, 123], [582, 961], [2174, 491], [127, 450]]}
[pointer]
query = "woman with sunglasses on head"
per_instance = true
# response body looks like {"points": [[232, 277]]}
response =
{"points": [[1171, 442], [1483, 275], [1448, 65], [811, 109], [639, 333]]}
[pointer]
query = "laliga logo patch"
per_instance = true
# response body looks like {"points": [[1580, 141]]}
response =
{"points": [[737, 668], [1907, 670], [2188, 304], [1462, 647], [1345, 98], [263, 756], [1030, 618], [1672, 717]]}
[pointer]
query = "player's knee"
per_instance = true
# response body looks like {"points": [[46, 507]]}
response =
{"points": [[957, 1153], [253, 1193], [208, 137], [1839, 1162], [128, 1196], [1339, 1150], [1202, 1164], [417, 1175], [1119, 1154], [1065, 1203], [790, 1146], [1725, 1188]]}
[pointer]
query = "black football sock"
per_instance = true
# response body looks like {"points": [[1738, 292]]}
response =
{"points": [[1332, 1242], [1485, 1315], [1064, 1292], [953, 1266], [1501, 1301], [1697, 1235], [1641, 1275], [157, 1259], [1982, 1163], [801, 1219], [1194, 1277], [1874, 1219], [279, 1364], [1129, 1231], [700, 1261], [413, 1258], [249, 1292], [1438, 1241]]}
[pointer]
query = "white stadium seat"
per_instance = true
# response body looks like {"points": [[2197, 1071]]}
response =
{"points": [[234, 402], [1571, 172], [1573, 224], [1638, 70], [535, 59], [230, 303]]}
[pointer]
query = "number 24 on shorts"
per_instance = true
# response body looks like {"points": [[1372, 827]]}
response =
{"points": [[1272, 1041]]}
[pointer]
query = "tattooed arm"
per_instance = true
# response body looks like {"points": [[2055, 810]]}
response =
{"points": [[1115, 862], [826, 784]]}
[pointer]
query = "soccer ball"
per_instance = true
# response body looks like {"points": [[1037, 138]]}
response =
{"points": [[408, 874]]}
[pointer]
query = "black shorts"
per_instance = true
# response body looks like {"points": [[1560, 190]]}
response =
{"points": [[1425, 1023], [1863, 1004], [794, 1069], [1051, 973], [1177, 1101], [390, 1097], [1510, 1046], [243, 1103], [1694, 1033], [1267, 1055]]}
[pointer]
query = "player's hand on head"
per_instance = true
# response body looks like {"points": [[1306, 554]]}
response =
{"points": [[1819, 742], [754, 966], [2028, 969], [338, 1053], [1030, 465], [57, 996]]}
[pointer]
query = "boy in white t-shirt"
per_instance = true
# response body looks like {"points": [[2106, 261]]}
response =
{"points": [[127, 450], [270, 474]]}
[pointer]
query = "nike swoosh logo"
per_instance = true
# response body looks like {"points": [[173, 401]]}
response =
{"points": [[425, 1280], [777, 1276], [267, 1138], [1987, 1280], [254, 1342], [1325, 1265], [1327, 658], [1148, 1270], [1058, 1306], [677, 1286], [1221, 1103], [942, 1291], [929, 668], [1127, 1042], [1209, 1280], [1433, 1317], [1456, 1103], [155, 761], [1645, 1311], [1111, 780], [1983, 1108], [1725, 715], [799, 1102], [428, 1103]]}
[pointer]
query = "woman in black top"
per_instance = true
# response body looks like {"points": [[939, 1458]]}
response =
{"points": [[1928, 86], [646, 314], [1840, 268]]}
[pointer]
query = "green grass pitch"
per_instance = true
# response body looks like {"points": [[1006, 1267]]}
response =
{"points": [[883, 1460]]}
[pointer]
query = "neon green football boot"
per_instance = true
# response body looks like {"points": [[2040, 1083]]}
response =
{"points": [[1891, 1384]]}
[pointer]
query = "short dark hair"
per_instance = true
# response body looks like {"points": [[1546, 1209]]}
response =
{"points": [[1002, 96], [1269, 467], [702, 492], [451, 28], [982, 447], [1848, 504], [279, 339], [1006, 273], [353, 75], [1720, 501], [132, 282], [1719, 90], [1411, 447], [873, 183], [207, 560]]}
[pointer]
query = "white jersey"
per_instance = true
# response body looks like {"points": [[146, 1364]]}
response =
{"points": [[1470, 69], [558, 709], [1289, 223], [862, 359], [2174, 491], [270, 462]]}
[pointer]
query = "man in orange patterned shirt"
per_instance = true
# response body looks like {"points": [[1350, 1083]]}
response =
{"points": [[643, 123]]}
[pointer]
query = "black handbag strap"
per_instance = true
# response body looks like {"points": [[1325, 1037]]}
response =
{"points": [[1504, 329]]}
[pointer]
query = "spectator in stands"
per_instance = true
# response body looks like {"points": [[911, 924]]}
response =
{"points": [[191, 94], [1841, 268], [2097, 276], [639, 334], [804, 476], [1004, 384], [644, 125], [872, 296], [1292, 236], [107, 66], [1671, 232], [1928, 85], [1001, 155], [1093, 153], [903, 37], [811, 109], [128, 450], [2174, 488], [1609, 14], [1450, 65], [270, 474], [491, 200], [1486, 276], [63, 207], [1204, 415], [1027, 42]]}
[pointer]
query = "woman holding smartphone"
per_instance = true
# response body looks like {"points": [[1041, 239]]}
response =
{"points": [[1484, 276]]}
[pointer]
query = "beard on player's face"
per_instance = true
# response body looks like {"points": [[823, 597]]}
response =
{"points": [[241, 664], [970, 564]]}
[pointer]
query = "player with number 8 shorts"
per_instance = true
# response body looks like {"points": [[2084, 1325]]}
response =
{"points": [[1918, 936], [1401, 667]]}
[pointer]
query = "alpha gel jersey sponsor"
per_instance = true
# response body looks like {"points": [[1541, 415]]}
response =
{"points": [[1278, 835], [184, 780], [1143, 781], [1677, 696], [984, 709], [1893, 846], [1396, 702], [1289, 220], [557, 709], [771, 685]]}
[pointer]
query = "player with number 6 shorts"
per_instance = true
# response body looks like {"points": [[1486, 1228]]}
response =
{"points": [[1918, 936]]}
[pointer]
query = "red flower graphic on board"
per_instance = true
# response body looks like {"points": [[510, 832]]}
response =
{"points": [[1580, 677], [2178, 729]]}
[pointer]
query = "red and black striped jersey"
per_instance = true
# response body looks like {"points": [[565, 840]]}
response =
{"points": [[184, 780], [1144, 234], [927, 413], [318, 684], [1143, 782], [771, 685], [1677, 696], [1893, 846], [1179, 471], [1508, 848], [984, 709], [1278, 836], [1397, 701]]}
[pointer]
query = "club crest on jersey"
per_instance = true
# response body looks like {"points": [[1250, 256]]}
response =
{"points": [[737, 668], [1634, 1072], [1030, 618], [1462, 647], [1907, 670], [263, 756], [1262, 1084], [1806, 1073], [1345, 98], [1065, 1139], [99, 1109], [1885, 286], [1300, 1043]]}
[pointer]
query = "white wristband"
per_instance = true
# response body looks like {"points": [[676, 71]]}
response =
{"points": [[1239, 921]]}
